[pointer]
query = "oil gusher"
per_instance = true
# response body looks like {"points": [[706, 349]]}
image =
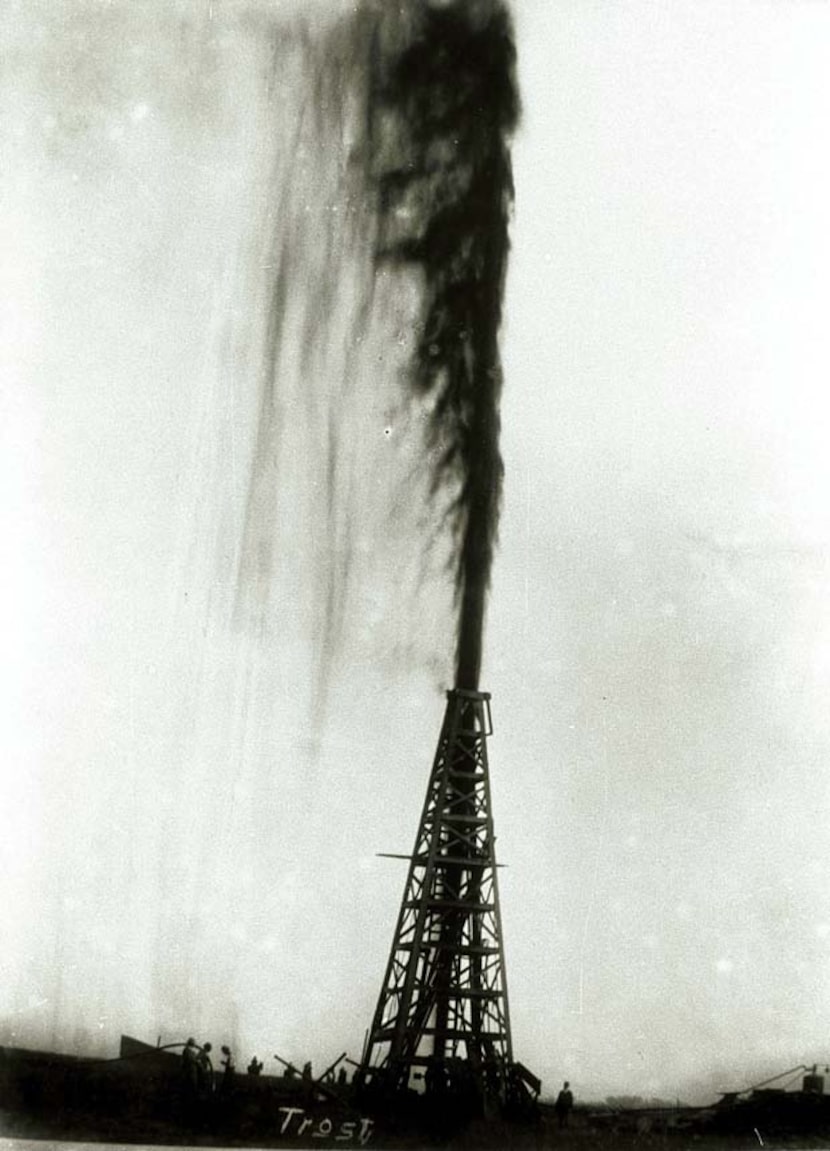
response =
{"points": [[445, 102]]}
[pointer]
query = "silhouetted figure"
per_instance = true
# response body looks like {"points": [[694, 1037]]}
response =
{"points": [[228, 1070], [307, 1071], [435, 1076], [255, 1066], [190, 1068], [463, 1086], [342, 1077], [563, 1105], [204, 1071], [288, 1073]]}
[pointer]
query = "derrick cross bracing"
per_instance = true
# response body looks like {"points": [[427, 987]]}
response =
{"points": [[442, 1015]]}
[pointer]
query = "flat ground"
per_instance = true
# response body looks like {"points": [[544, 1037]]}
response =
{"points": [[581, 1135]]}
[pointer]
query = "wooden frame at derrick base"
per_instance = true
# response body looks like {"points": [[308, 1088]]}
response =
{"points": [[442, 1018]]}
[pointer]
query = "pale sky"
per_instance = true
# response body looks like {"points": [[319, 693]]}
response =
{"points": [[189, 819]]}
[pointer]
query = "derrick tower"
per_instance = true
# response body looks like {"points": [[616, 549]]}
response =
{"points": [[442, 1017]]}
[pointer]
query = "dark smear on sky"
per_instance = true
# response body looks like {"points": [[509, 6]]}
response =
{"points": [[397, 165], [317, 306], [443, 106]]}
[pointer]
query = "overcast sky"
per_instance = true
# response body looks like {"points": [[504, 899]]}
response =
{"points": [[192, 798]]}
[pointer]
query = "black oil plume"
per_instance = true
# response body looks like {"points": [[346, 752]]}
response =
{"points": [[416, 192], [443, 106]]}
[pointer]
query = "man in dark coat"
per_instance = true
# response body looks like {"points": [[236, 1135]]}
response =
{"points": [[563, 1105]]}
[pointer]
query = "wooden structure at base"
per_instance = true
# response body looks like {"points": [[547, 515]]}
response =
{"points": [[442, 1021]]}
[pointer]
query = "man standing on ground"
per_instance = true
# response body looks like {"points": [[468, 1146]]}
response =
{"points": [[563, 1105]]}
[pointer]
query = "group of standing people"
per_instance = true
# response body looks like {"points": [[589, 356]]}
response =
{"points": [[197, 1069]]}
